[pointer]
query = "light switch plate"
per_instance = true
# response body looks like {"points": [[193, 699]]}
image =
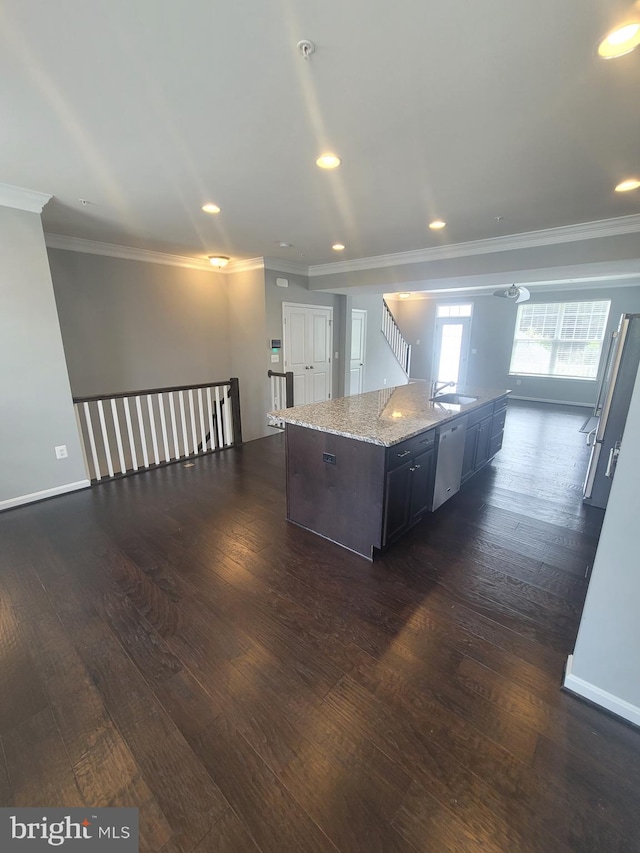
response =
{"points": [[275, 359]]}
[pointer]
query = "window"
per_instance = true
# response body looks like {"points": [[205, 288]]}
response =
{"points": [[559, 339], [453, 311]]}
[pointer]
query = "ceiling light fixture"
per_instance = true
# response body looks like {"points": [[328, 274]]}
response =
{"points": [[210, 207], [328, 161], [338, 247], [218, 261], [437, 224], [629, 184], [404, 295], [621, 40]]}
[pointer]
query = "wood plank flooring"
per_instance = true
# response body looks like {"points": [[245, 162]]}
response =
{"points": [[169, 642]]}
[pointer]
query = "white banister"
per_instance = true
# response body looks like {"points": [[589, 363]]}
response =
{"points": [[210, 424], [394, 337]]}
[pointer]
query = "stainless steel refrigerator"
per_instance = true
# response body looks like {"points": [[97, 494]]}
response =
{"points": [[612, 405]]}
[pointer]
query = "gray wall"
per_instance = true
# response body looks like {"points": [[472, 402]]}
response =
{"points": [[298, 292], [37, 410], [248, 331], [381, 365], [606, 655], [492, 330], [128, 325]]}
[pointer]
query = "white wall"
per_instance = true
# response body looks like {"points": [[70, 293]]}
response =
{"points": [[605, 666], [37, 410]]}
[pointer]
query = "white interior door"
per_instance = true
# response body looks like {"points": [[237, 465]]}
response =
{"points": [[307, 339], [451, 349], [358, 350]]}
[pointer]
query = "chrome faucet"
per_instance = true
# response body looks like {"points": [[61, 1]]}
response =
{"points": [[439, 386]]}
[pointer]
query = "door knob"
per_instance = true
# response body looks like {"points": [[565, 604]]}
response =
{"points": [[306, 368], [311, 368]]}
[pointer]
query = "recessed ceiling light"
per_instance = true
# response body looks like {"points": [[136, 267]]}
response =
{"points": [[404, 295], [284, 245], [328, 161], [338, 247], [620, 41], [396, 414], [218, 261], [210, 207], [629, 184], [437, 224]]}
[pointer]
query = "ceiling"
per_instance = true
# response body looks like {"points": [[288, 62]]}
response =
{"points": [[455, 110]]}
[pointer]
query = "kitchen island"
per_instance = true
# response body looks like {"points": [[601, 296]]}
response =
{"points": [[361, 470]]}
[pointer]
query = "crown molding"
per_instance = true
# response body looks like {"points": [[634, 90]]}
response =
{"points": [[22, 199], [127, 253], [246, 265], [293, 267], [530, 239]]}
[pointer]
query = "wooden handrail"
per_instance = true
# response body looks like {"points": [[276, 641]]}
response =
{"points": [[144, 391], [288, 377]]}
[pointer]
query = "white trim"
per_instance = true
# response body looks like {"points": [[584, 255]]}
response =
{"points": [[148, 256], [246, 265], [557, 402], [600, 697], [277, 265], [45, 493], [127, 253], [530, 239], [22, 199]]}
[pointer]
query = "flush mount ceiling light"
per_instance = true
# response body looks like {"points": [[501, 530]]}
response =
{"points": [[210, 207], [218, 261], [629, 184], [515, 293], [622, 39], [338, 247], [437, 224], [328, 161]]}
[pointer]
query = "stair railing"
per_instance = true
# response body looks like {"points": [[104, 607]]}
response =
{"points": [[281, 393], [394, 337], [130, 432]]}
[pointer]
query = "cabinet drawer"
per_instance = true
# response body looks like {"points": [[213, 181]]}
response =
{"points": [[479, 414], [495, 444], [400, 453], [498, 421], [500, 404]]}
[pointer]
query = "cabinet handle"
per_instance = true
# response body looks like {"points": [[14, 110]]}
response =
{"points": [[404, 453], [426, 441], [415, 467]]}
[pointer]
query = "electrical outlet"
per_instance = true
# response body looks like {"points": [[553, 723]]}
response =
{"points": [[384, 381], [518, 381], [61, 451]]}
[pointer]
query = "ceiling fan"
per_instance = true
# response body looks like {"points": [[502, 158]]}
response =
{"points": [[517, 294]]}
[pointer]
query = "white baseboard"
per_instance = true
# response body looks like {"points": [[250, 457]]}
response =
{"points": [[600, 697], [557, 402], [46, 493]]}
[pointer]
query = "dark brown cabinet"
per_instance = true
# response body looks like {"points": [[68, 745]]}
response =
{"points": [[409, 485], [484, 437]]}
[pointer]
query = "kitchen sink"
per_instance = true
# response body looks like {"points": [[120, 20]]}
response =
{"points": [[458, 399]]}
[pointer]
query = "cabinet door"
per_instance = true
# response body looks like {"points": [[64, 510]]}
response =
{"points": [[482, 447], [469, 455], [421, 484], [397, 497]]}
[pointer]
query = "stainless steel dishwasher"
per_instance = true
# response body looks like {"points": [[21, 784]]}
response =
{"points": [[449, 461]]}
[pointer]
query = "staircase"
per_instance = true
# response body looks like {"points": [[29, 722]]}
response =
{"points": [[394, 337]]}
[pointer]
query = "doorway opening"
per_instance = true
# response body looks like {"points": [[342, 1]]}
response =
{"points": [[451, 343], [358, 350]]}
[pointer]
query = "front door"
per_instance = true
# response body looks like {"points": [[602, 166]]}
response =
{"points": [[451, 349], [358, 349], [307, 339]]}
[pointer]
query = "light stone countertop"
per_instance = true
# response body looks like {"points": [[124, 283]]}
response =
{"points": [[387, 416]]}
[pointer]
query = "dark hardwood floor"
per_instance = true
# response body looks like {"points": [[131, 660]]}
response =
{"points": [[168, 641]]}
